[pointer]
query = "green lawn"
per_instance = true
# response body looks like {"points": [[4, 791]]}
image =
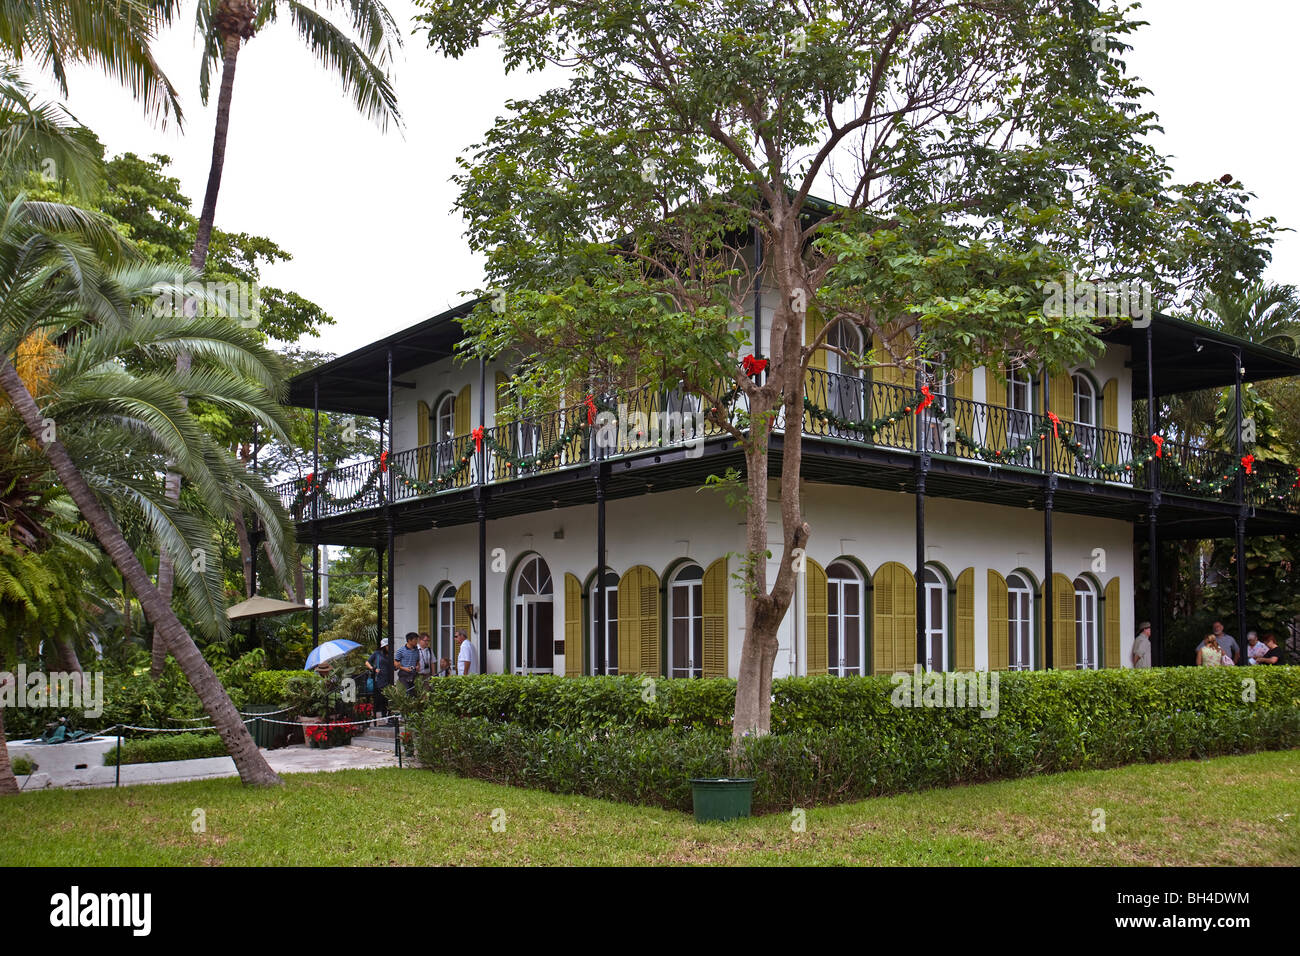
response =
{"points": [[1227, 811]]}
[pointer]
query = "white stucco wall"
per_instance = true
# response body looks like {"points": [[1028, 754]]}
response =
{"points": [[657, 529]]}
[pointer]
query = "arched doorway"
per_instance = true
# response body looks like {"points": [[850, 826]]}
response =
{"points": [[534, 618]]}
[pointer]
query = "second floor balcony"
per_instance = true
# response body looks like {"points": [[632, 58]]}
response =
{"points": [[840, 410]]}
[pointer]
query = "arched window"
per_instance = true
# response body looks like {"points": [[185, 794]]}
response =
{"points": [[534, 617], [936, 620], [1085, 418], [444, 431], [611, 625], [686, 622], [1020, 623], [1020, 411], [447, 624], [846, 633], [1085, 625], [845, 389]]}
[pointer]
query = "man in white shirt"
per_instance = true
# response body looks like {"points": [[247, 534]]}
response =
{"points": [[467, 659]]}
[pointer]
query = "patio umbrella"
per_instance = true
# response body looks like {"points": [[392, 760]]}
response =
{"points": [[258, 606], [328, 651]]}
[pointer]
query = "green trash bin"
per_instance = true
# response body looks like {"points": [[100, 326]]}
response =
{"points": [[721, 798], [264, 732]]}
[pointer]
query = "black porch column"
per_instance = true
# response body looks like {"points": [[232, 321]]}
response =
{"points": [[315, 511], [480, 501], [1049, 592], [1241, 508], [253, 541], [600, 664], [1153, 537], [922, 467]]}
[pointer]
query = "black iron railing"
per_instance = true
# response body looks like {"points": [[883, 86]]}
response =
{"points": [[841, 407]]}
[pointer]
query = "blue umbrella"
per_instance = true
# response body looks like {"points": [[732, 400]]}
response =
{"points": [[328, 651]]}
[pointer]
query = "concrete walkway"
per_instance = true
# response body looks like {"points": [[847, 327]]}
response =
{"points": [[299, 759]]}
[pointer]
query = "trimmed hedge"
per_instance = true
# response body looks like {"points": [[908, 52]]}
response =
{"points": [[166, 747], [1028, 698], [839, 739]]}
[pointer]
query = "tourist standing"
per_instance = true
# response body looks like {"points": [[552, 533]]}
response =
{"points": [[408, 661], [425, 668], [1208, 654], [1274, 654], [1227, 643], [467, 657], [380, 665], [1142, 645]]}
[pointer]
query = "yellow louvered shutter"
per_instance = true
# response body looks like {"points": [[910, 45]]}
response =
{"points": [[422, 604], [993, 429], [638, 621], [1110, 639], [815, 381], [962, 387], [893, 617], [573, 646], [423, 439], [1064, 623], [1110, 404], [461, 615], [549, 432], [1061, 398], [650, 623], [886, 400], [461, 413], [965, 620], [999, 627], [715, 593], [815, 618], [1108, 448]]}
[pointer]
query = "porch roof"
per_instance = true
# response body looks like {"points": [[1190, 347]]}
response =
{"points": [[1187, 356]]}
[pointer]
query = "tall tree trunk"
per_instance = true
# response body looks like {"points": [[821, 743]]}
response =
{"points": [[8, 782], [246, 556], [68, 659], [764, 609], [252, 766], [198, 260]]}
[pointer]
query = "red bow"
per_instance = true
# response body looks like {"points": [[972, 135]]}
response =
{"points": [[1249, 462], [1056, 424], [1159, 443], [383, 460], [926, 400], [591, 410], [311, 478], [753, 366], [478, 438]]}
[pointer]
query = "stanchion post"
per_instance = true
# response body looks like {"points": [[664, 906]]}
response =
{"points": [[117, 774]]}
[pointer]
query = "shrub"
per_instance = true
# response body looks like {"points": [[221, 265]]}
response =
{"points": [[167, 747], [842, 739], [270, 687], [23, 766], [801, 703]]}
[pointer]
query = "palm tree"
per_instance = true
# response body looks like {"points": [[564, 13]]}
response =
{"points": [[64, 269], [115, 36], [362, 64], [1266, 313], [43, 137]]}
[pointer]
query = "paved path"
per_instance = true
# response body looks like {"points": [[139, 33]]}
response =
{"points": [[299, 759]]}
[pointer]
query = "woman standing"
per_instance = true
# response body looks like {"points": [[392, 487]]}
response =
{"points": [[380, 665], [1211, 655]]}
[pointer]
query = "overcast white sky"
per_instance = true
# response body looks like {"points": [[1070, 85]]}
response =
{"points": [[367, 215]]}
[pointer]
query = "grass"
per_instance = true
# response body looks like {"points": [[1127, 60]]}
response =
{"points": [[1227, 811]]}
